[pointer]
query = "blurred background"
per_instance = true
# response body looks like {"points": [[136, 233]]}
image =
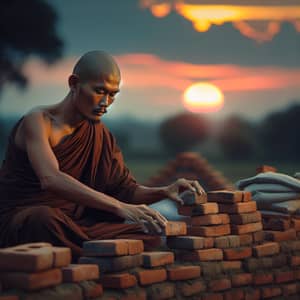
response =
{"points": [[218, 77]]}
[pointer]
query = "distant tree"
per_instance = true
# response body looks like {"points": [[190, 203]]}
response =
{"points": [[237, 138], [26, 28], [183, 131], [280, 134]]}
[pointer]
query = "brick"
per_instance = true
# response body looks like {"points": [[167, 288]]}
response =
{"points": [[80, 272], [266, 249], [229, 241], [61, 257], [253, 264], [159, 291], [279, 236], [289, 289], [211, 269], [213, 219], [258, 236], [294, 261], [156, 259], [284, 276], [252, 294], [245, 218], [295, 223], [209, 231], [200, 209], [276, 224], [183, 272], [236, 294], [135, 246], [246, 228], [223, 196], [27, 258], [246, 239], [191, 287], [228, 266], [237, 253], [290, 246], [218, 285], [90, 289], [114, 264], [118, 280], [190, 198], [212, 296], [125, 294], [242, 207], [146, 277], [31, 281], [241, 279], [203, 255], [175, 228], [262, 278], [187, 242], [272, 291], [265, 168]]}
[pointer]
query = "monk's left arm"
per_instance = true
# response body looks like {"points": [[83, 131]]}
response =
{"points": [[149, 195]]}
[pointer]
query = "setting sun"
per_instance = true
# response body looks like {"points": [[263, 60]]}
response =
{"points": [[203, 97]]}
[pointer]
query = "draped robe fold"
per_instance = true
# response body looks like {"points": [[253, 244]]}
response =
{"points": [[90, 154]]}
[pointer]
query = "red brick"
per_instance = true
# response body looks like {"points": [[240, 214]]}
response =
{"points": [[190, 198], [80, 272], [191, 287], [156, 258], [105, 248], [189, 242], [265, 168], [210, 296], [258, 236], [218, 285], [290, 246], [31, 281], [113, 264], [294, 261], [276, 224], [229, 241], [27, 258], [272, 291], [246, 239], [200, 209], [183, 272], [146, 277], [284, 276], [90, 289], [289, 289], [236, 294], [61, 257], [246, 228], [223, 196], [135, 246], [241, 279], [262, 278], [238, 208], [160, 291], [229, 266], [279, 236], [252, 294], [202, 255], [118, 281], [266, 249], [209, 231], [217, 219], [245, 218], [295, 223], [175, 228], [237, 253]]}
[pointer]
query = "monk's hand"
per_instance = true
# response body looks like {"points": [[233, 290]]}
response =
{"points": [[150, 220], [180, 185]]}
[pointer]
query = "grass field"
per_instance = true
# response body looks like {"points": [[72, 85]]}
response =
{"points": [[143, 169]]}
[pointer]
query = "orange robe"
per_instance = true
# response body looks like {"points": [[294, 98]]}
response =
{"points": [[30, 214]]}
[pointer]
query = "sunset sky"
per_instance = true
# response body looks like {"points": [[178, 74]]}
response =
{"points": [[160, 57]]}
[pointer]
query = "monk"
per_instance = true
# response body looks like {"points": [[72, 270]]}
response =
{"points": [[64, 180]]}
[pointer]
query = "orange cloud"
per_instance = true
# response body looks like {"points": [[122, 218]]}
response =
{"points": [[147, 71]]}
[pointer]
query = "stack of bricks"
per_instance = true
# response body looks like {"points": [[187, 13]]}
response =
{"points": [[40, 271], [191, 165]]}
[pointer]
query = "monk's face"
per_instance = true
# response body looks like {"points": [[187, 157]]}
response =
{"points": [[96, 95]]}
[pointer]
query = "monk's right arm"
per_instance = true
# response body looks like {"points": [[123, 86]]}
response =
{"points": [[45, 165]]}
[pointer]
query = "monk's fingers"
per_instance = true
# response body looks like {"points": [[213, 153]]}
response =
{"points": [[200, 190], [157, 216], [176, 198], [186, 184], [152, 225]]}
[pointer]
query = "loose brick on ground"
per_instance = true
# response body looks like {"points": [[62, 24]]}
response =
{"points": [[157, 258], [191, 198], [245, 218], [213, 219], [191, 287], [183, 272], [202, 255], [246, 228], [266, 249], [175, 228], [186, 242], [229, 241], [279, 236], [218, 285], [146, 277], [113, 264], [237, 253], [241, 279], [159, 291], [118, 280], [238, 208], [209, 231], [80, 272], [200, 209], [31, 281]]}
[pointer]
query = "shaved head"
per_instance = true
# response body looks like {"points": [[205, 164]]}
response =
{"points": [[95, 65]]}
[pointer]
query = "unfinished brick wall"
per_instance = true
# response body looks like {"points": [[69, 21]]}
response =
{"points": [[226, 250]]}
